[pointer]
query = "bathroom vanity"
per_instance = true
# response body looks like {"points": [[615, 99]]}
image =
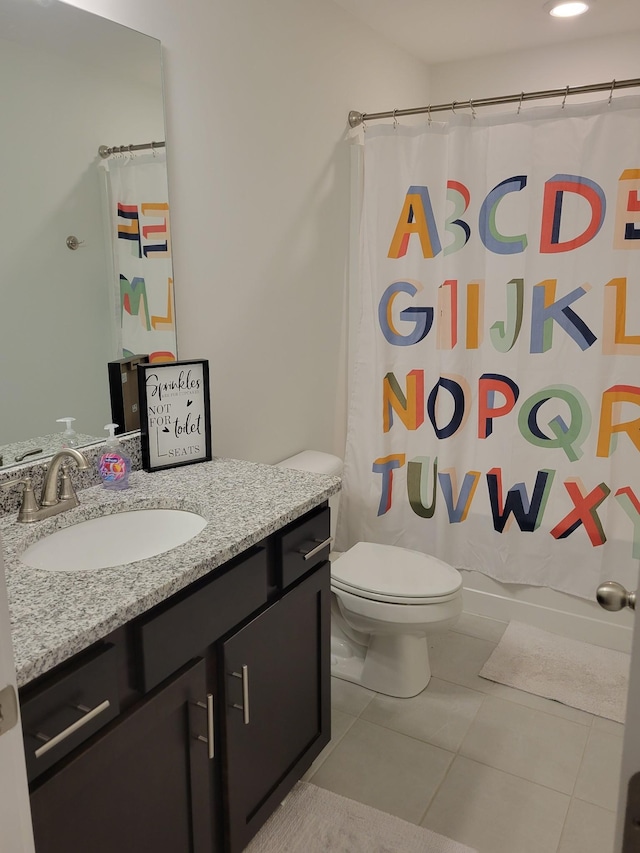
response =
{"points": [[171, 704]]}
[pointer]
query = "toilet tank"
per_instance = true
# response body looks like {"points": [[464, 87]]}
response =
{"points": [[318, 462]]}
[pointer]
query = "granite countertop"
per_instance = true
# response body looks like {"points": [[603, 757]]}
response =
{"points": [[46, 445], [54, 615]]}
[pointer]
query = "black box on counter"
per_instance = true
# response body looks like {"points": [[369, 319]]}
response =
{"points": [[123, 388]]}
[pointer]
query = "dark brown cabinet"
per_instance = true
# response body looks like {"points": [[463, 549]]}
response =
{"points": [[143, 783], [218, 702], [276, 703]]}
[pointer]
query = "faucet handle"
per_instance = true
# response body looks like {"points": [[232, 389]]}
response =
{"points": [[29, 506], [66, 491]]}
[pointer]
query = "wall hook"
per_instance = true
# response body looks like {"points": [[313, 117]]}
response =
{"points": [[73, 243]]}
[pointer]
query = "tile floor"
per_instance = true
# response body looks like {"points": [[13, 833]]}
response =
{"points": [[492, 767]]}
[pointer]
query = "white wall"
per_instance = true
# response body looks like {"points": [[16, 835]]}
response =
{"points": [[257, 98], [576, 64], [15, 817]]}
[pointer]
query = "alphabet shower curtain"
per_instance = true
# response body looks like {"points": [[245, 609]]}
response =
{"points": [[137, 198], [495, 414]]}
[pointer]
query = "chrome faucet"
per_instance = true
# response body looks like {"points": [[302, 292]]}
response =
{"points": [[57, 494]]}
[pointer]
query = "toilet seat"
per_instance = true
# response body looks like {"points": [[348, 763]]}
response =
{"points": [[395, 575]]}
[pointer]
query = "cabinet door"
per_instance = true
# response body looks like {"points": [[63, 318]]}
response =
{"points": [[277, 703], [143, 784]]}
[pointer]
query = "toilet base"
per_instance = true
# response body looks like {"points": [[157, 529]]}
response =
{"points": [[395, 665]]}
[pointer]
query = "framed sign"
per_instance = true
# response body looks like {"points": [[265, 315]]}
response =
{"points": [[175, 419]]}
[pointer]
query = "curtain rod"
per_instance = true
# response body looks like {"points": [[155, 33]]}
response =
{"points": [[356, 118], [105, 151]]}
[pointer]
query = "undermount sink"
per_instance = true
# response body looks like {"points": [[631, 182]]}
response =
{"points": [[113, 540]]}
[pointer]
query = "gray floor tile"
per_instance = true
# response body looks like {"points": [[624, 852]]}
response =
{"points": [[480, 626], [384, 769], [440, 715], [340, 725], [599, 775], [459, 658], [349, 698], [495, 812], [588, 829], [528, 743]]}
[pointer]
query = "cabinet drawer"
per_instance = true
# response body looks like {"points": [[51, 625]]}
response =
{"points": [[298, 545], [60, 715], [183, 627]]}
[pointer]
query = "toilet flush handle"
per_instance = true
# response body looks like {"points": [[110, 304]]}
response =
{"points": [[321, 544]]}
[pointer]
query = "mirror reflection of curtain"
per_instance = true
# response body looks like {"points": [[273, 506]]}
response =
{"points": [[140, 236]]}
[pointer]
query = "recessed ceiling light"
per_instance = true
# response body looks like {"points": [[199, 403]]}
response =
{"points": [[567, 8]]}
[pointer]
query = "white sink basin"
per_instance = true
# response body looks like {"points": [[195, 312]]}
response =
{"points": [[113, 540]]}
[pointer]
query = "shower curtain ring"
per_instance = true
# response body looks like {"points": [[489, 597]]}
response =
{"points": [[613, 85], [473, 111], [429, 115], [564, 100], [453, 107], [395, 120], [520, 103]]}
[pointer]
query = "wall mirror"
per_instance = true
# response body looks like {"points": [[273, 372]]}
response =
{"points": [[70, 82]]}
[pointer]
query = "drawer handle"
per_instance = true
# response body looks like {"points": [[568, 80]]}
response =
{"points": [[89, 714], [322, 544], [210, 738], [244, 675]]}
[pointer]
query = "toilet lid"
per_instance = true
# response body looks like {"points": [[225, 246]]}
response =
{"points": [[397, 573]]}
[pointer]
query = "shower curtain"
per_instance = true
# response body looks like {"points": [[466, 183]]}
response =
{"points": [[140, 236], [494, 415]]}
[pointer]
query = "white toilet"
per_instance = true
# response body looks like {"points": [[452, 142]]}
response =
{"points": [[385, 601]]}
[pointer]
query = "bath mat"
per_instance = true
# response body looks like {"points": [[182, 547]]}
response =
{"points": [[578, 674], [313, 820]]}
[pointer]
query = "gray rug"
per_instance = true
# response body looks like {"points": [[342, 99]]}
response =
{"points": [[578, 674], [313, 820]]}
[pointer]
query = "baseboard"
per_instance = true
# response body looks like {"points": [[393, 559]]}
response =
{"points": [[572, 625]]}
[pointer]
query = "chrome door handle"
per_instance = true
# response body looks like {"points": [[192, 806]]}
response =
{"points": [[613, 596], [89, 714], [210, 738], [321, 544], [244, 675]]}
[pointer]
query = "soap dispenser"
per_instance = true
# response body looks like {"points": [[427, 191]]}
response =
{"points": [[114, 465], [69, 436]]}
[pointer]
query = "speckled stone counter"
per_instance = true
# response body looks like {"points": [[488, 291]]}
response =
{"points": [[54, 615], [45, 445]]}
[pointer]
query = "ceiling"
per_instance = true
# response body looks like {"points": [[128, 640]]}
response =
{"points": [[465, 29]]}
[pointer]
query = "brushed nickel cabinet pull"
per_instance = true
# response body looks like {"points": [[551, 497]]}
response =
{"points": [[244, 675], [321, 544], [210, 738], [89, 714]]}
